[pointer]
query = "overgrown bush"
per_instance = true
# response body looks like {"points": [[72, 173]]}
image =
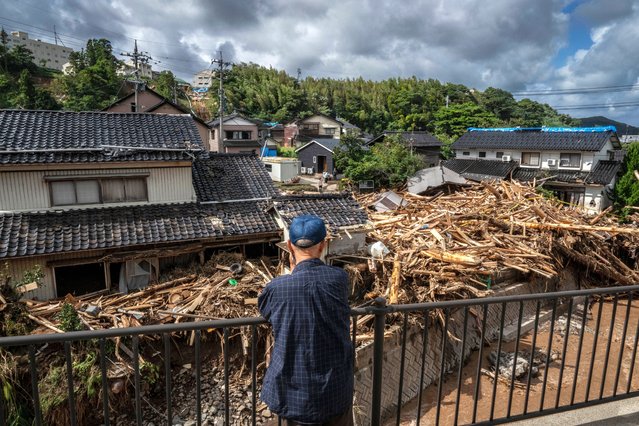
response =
{"points": [[69, 318], [286, 151], [389, 164]]}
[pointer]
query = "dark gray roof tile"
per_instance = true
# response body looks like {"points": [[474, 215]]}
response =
{"points": [[480, 169], [223, 177], [56, 136], [536, 139], [602, 174], [38, 233], [416, 139], [336, 210]]}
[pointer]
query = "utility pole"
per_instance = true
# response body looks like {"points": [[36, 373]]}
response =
{"points": [[4, 39], [56, 37], [221, 69], [139, 57]]}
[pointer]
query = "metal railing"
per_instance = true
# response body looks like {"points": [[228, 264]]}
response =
{"points": [[448, 340]]}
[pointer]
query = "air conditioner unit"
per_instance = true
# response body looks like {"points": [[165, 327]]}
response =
{"points": [[309, 170], [303, 170], [552, 162], [505, 158]]}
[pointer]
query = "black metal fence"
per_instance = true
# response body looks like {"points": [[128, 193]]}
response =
{"points": [[562, 350]]}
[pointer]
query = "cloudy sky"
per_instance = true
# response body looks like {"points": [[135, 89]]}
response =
{"points": [[524, 46]]}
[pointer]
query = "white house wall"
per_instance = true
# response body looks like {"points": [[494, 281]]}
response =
{"points": [[596, 194], [324, 123], [588, 158], [28, 190]]}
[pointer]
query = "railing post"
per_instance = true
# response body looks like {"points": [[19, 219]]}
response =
{"points": [[379, 309]]}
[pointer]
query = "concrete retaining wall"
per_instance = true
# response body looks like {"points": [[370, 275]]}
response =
{"points": [[414, 343]]}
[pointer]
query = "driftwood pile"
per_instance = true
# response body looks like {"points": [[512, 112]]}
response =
{"points": [[217, 291], [450, 246]]}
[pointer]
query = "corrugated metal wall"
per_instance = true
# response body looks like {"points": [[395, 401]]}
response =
{"points": [[29, 190]]}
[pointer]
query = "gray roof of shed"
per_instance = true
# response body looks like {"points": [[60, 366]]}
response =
{"points": [[480, 169], [327, 143], [536, 139]]}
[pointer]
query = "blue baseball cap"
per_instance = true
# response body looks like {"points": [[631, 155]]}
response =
{"points": [[306, 231]]}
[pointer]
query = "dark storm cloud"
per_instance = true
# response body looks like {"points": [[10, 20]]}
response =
{"points": [[509, 44]]}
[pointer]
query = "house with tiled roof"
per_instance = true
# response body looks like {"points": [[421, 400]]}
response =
{"points": [[579, 165], [150, 101], [419, 142], [103, 200], [239, 134], [316, 126]]}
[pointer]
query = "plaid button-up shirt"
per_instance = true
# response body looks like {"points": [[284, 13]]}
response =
{"points": [[310, 378]]}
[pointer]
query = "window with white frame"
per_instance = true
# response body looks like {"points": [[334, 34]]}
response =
{"points": [[530, 159], [570, 160], [329, 131], [70, 192]]}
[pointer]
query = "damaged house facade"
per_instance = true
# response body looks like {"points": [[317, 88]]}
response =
{"points": [[108, 201], [579, 165], [104, 201]]}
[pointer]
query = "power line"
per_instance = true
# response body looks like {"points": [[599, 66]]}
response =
{"points": [[578, 91], [598, 106]]}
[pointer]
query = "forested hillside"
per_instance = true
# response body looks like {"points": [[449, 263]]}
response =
{"points": [[445, 109], [395, 103]]}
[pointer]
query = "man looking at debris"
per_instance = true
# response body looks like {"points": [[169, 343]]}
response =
{"points": [[310, 378]]}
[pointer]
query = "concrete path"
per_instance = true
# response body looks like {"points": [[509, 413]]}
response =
{"points": [[624, 412]]}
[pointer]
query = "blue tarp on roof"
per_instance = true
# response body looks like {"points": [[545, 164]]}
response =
{"points": [[600, 129]]}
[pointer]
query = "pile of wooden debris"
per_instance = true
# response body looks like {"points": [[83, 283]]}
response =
{"points": [[227, 286], [450, 246]]}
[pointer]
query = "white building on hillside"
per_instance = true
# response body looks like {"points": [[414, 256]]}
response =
{"points": [[45, 54], [203, 79]]}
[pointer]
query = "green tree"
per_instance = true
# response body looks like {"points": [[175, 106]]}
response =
{"points": [[26, 95], [389, 164], [349, 151], [93, 82], [499, 102], [456, 119], [165, 84], [627, 189], [20, 58]]}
